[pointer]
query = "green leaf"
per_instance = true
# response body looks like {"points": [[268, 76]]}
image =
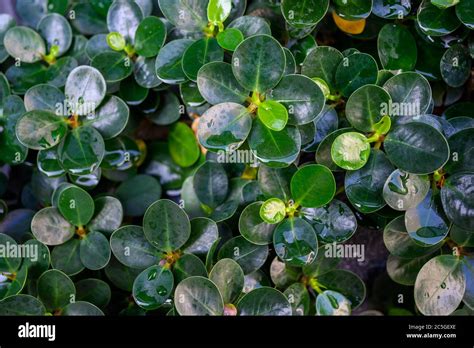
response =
{"points": [[391, 9], [131, 248], [299, 298], [75, 204], [198, 296], [217, 84], [321, 188], [403, 191], [303, 99], [230, 38], [229, 279], [45, 97], [110, 118], [168, 65], [8, 263], [66, 257], [56, 31], [253, 228], [277, 149], [95, 251], [50, 228], [124, 17], [85, 89], [273, 115], [295, 242], [198, 54], [251, 25], [460, 144], [434, 21], [87, 21], [115, 41], [188, 15], [416, 148], [332, 303], [188, 265], [168, 112], [352, 10], [55, 290], [346, 283], [334, 222], [322, 63], [81, 151], [37, 264], [355, 71], [275, 182], [427, 223], [107, 216], [81, 308], [365, 107], [258, 63], [455, 65], [364, 187], [153, 287], [218, 10], [458, 204], [249, 256], [114, 66], [137, 193], [184, 148], [20, 305], [350, 150], [190, 94], [396, 48], [24, 44], [40, 130], [204, 232], [166, 225], [404, 271], [301, 14], [211, 184], [144, 72], [150, 36], [464, 13], [121, 276], [440, 286], [94, 291], [273, 211], [264, 301]]}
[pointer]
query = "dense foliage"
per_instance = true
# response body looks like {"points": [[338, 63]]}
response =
{"points": [[194, 157]]}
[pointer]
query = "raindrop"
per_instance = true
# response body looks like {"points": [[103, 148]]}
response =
{"points": [[161, 290]]}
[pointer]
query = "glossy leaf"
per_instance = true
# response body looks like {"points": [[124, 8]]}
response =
{"points": [[198, 296], [416, 148], [24, 44], [50, 228], [153, 287], [166, 225], [258, 63], [440, 286], [264, 301]]}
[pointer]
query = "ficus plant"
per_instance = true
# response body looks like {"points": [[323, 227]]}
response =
{"points": [[233, 157]]}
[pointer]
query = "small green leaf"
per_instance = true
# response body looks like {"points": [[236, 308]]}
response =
{"points": [[150, 36], [230, 38], [313, 186], [184, 148], [218, 10], [332, 303], [273, 114], [75, 204], [116, 41], [273, 210], [166, 225], [153, 287], [350, 150]]}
